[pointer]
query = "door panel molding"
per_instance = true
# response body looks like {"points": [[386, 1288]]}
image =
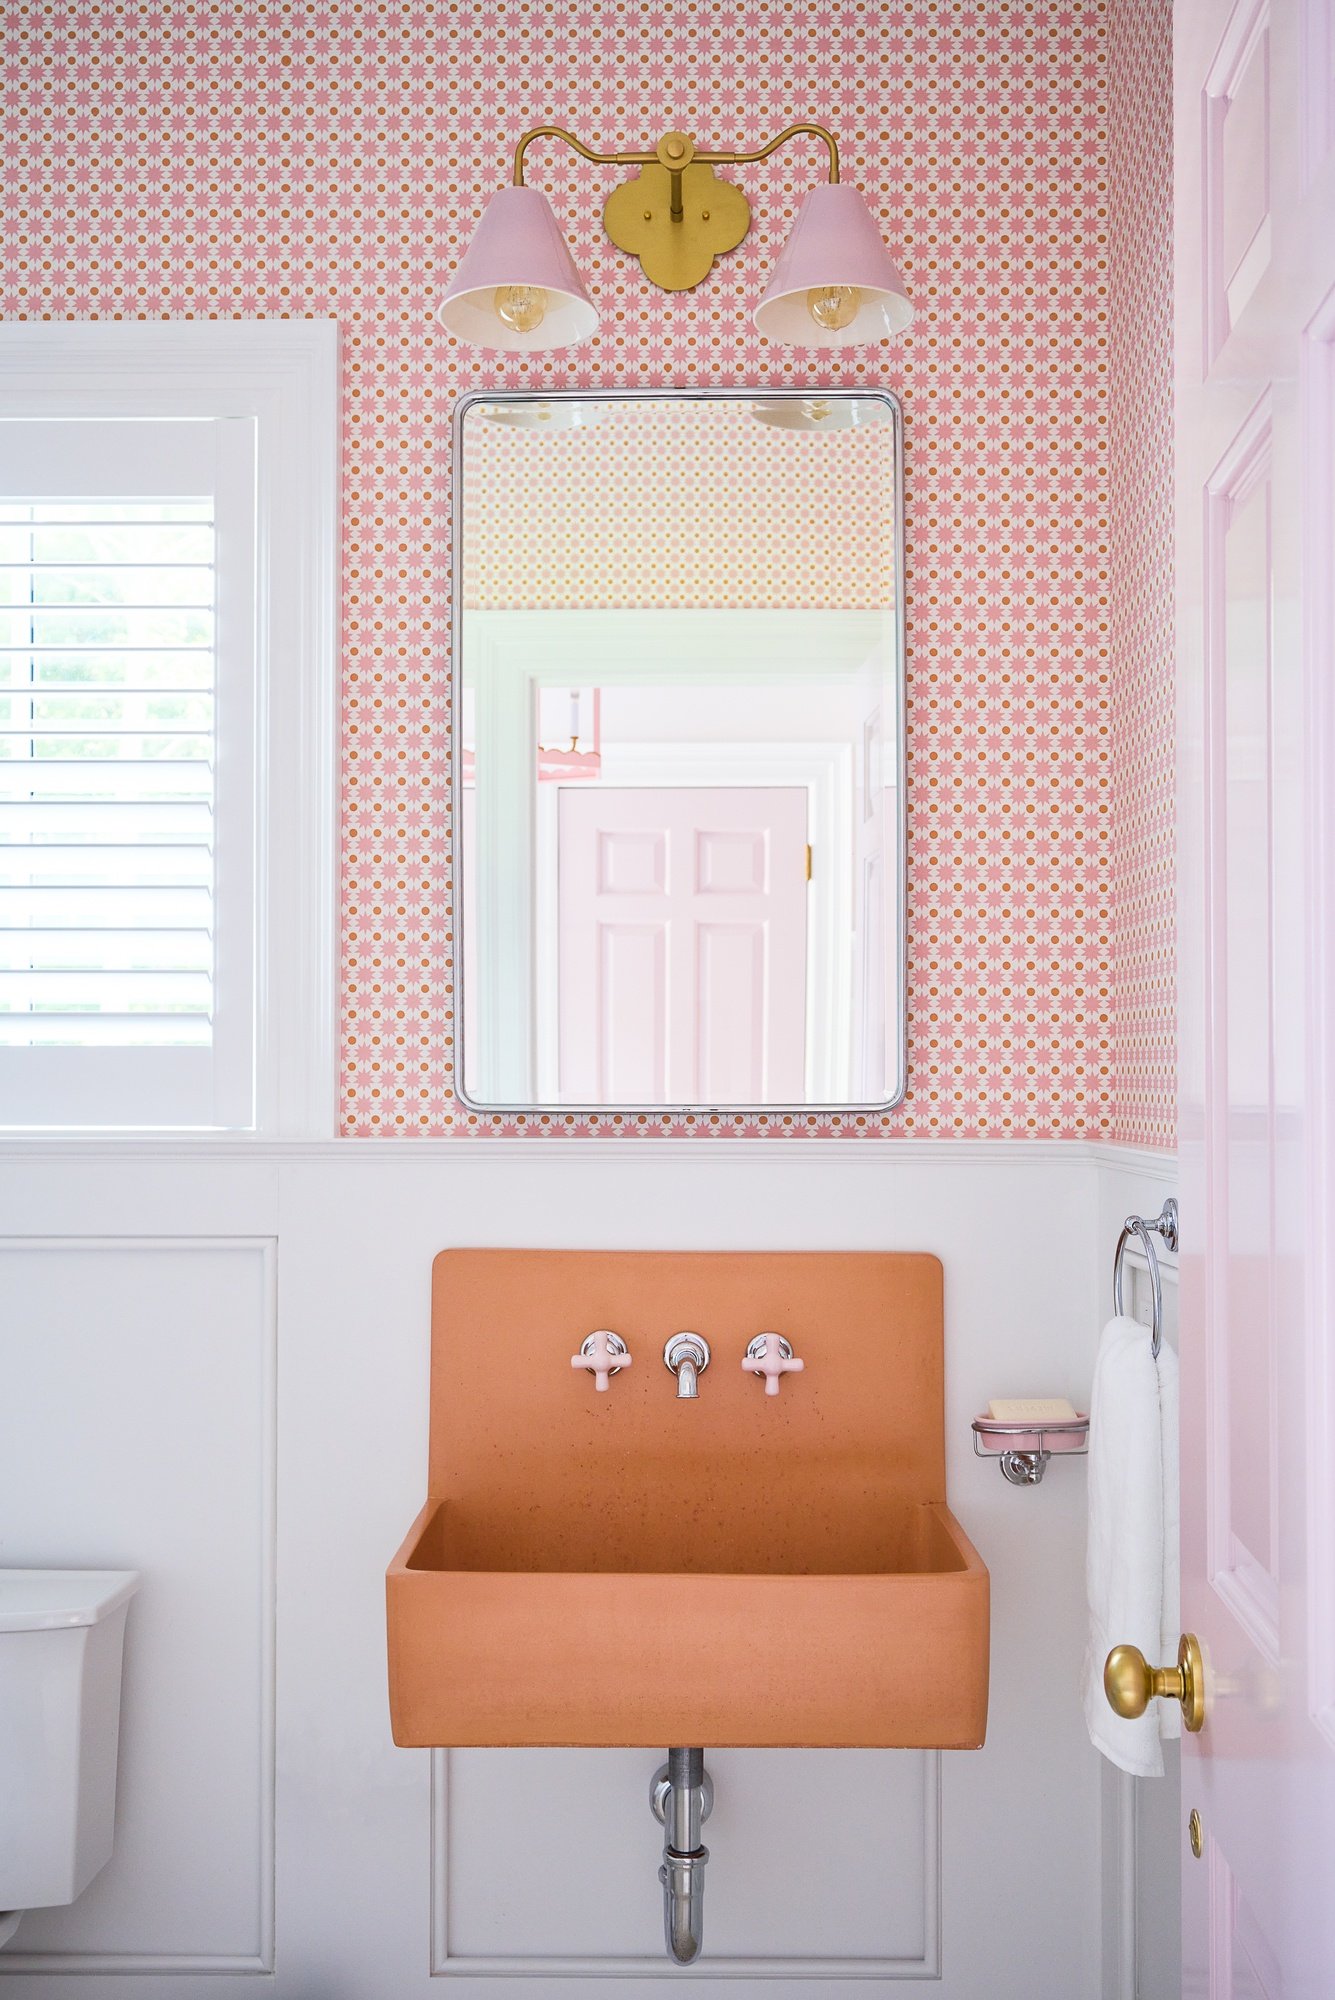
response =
{"points": [[1244, 1966], [1235, 254], [1317, 398], [1244, 1577], [1317, 35]]}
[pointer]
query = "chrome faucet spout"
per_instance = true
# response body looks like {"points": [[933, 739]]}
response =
{"points": [[687, 1355], [682, 1796]]}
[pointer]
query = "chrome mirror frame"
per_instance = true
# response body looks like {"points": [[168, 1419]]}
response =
{"points": [[604, 1113]]}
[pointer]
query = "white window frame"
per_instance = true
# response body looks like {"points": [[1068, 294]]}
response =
{"points": [[284, 375]]}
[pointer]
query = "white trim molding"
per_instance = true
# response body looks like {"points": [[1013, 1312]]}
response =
{"points": [[141, 1148], [284, 375]]}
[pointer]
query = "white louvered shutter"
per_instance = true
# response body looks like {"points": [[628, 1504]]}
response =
{"points": [[127, 773]]}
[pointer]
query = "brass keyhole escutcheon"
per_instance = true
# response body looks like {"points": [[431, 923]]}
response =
{"points": [[1194, 1833], [1131, 1683]]}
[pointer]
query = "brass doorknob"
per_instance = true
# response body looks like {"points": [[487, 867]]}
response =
{"points": [[1131, 1683]]}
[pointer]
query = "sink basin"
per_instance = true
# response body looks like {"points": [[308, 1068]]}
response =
{"points": [[630, 1569]]}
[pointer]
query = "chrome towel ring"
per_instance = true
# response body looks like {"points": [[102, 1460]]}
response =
{"points": [[1165, 1224]]}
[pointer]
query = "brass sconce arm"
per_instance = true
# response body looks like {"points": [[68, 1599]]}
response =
{"points": [[576, 146], [781, 139], [679, 154]]}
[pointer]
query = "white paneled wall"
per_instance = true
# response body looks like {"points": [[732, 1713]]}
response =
{"points": [[136, 1431], [159, 1411]]}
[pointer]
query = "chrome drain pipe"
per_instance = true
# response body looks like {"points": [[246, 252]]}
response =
{"points": [[682, 1796]]}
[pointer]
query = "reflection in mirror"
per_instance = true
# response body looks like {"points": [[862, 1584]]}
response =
{"points": [[679, 703]]}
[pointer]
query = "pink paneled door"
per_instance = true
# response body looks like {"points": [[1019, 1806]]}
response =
{"points": [[682, 944], [1255, 116]]}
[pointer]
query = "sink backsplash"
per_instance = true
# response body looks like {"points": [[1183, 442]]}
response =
{"points": [[857, 1437]]}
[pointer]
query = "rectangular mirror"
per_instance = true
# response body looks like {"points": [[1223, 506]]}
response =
{"points": [[679, 750]]}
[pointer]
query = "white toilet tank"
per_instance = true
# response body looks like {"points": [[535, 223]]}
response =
{"points": [[61, 1634]]}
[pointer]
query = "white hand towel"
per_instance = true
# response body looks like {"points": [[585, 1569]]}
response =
{"points": [[1131, 1565]]}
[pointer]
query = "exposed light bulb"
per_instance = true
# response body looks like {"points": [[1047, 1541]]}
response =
{"points": [[834, 306], [521, 306]]}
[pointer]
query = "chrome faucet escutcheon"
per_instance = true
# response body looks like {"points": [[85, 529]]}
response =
{"points": [[604, 1355], [770, 1355]]}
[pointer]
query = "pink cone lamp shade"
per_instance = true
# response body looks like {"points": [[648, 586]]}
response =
{"points": [[835, 251], [518, 249]]}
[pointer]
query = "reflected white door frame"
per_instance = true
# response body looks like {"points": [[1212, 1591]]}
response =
{"points": [[824, 770]]}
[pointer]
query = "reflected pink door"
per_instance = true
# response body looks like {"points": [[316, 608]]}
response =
{"points": [[1255, 236], [682, 939]]}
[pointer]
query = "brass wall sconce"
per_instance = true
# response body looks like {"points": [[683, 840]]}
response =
{"points": [[834, 284]]}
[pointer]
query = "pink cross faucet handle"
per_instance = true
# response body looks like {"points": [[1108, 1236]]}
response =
{"points": [[604, 1355], [770, 1355]]}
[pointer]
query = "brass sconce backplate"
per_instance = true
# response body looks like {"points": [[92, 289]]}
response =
{"points": [[676, 216]]}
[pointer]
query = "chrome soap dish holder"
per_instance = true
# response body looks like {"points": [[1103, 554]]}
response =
{"points": [[1023, 1449]]}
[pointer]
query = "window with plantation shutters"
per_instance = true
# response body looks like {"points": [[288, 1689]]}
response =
{"points": [[127, 772]]}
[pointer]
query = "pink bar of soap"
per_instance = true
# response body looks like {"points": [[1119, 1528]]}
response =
{"points": [[1031, 1409]]}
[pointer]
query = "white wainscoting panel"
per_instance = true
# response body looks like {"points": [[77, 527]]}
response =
{"points": [[137, 1432], [822, 1863]]}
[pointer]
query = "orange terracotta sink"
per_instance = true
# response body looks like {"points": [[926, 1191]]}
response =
{"points": [[629, 1569]]}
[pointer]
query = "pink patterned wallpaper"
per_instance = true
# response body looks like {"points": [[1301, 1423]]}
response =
{"points": [[678, 504], [330, 158], [1140, 118]]}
